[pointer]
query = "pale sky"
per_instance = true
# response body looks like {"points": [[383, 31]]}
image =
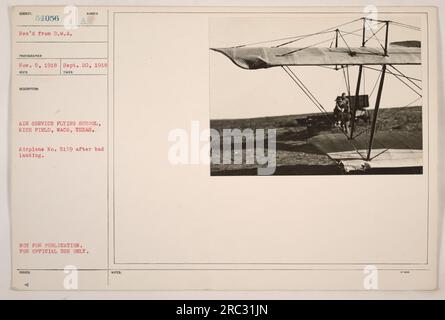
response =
{"points": [[239, 93]]}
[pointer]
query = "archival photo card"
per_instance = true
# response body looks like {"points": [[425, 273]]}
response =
{"points": [[220, 148]]}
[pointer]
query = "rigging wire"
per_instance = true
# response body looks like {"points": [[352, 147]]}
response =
{"points": [[328, 67], [300, 49], [323, 31], [406, 84], [350, 50], [380, 153], [375, 85], [344, 33], [333, 40], [281, 39], [307, 90], [286, 69], [320, 107], [395, 23], [368, 67], [404, 25], [399, 78], [361, 36], [301, 38], [408, 105], [296, 37], [344, 77], [375, 36], [407, 78], [364, 81]]}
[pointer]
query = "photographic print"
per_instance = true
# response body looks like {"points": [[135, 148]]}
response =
{"points": [[330, 95]]}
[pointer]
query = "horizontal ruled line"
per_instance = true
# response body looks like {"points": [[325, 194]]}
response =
{"points": [[49, 75], [61, 42], [61, 26], [41, 58], [223, 269]]}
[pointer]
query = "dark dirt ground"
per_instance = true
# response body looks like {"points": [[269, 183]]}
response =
{"points": [[295, 156]]}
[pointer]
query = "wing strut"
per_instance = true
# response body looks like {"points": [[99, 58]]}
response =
{"points": [[357, 88], [376, 111], [357, 93]]}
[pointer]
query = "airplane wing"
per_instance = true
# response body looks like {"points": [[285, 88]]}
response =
{"points": [[393, 149], [266, 57]]}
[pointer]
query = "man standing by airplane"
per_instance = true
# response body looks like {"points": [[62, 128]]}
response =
{"points": [[344, 103], [344, 106]]}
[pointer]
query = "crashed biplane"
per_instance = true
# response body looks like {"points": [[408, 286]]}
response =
{"points": [[353, 151]]}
